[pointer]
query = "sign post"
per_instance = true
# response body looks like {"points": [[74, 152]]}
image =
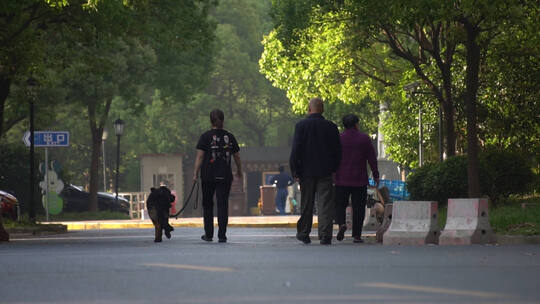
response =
{"points": [[47, 139]]}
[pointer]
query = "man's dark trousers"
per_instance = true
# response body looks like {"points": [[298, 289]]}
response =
{"points": [[323, 187], [358, 197], [281, 198], [221, 189]]}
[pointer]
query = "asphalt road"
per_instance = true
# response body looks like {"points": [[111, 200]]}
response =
{"points": [[258, 266]]}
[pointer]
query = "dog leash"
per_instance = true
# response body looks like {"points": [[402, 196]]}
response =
{"points": [[186, 202]]}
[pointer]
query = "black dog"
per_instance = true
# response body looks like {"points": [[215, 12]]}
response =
{"points": [[158, 204]]}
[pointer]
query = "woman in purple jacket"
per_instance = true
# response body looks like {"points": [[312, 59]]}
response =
{"points": [[351, 179]]}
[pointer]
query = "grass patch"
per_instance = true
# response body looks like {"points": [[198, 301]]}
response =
{"points": [[66, 216], [509, 217], [8, 223], [441, 219], [86, 216]]}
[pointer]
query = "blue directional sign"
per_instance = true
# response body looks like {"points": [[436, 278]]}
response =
{"points": [[47, 138]]}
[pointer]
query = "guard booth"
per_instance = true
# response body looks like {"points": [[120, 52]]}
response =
{"points": [[260, 164], [163, 168]]}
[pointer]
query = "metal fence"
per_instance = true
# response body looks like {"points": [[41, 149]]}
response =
{"points": [[397, 188], [137, 203]]}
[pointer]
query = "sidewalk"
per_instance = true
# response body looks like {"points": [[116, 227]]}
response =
{"points": [[277, 221]]}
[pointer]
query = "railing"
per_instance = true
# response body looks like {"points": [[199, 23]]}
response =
{"points": [[397, 189], [137, 203]]}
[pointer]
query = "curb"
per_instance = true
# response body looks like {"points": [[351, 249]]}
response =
{"points": [[39, 230], [103, 226]]}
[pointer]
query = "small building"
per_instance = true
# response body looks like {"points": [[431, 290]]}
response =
{"points": [[163, 168], [260, 164]]}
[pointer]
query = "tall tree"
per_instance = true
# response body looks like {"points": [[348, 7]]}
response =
{"points": [[114, 50], [100, 62], [249, 100], [422, 33], [21, 49]]}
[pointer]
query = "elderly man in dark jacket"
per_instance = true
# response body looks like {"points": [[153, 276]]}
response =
{"points": [[315, 155]]}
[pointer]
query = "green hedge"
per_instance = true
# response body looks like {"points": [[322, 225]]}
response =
{"points": [[502, 173], [14, 173]]}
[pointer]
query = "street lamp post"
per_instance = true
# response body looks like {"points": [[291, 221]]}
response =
{"points": [[32, 87], [103, 138], [440, 135], [411, 89], [118, 130]]}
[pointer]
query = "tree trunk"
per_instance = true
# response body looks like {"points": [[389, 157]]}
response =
{"points": [[96, 129], [448, 113], [448, 107], [471, 82], [94, 168], [4, 93], [94, 158]]}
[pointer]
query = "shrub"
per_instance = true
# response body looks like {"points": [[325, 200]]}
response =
{"points": [[14, 169], [439, 181], [501, 173], [417, 182]]}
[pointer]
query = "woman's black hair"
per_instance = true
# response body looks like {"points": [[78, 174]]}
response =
{"points": [[349, 121], [216, 118]]}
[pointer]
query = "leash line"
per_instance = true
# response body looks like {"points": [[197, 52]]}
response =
{"points": [[186, 202]]}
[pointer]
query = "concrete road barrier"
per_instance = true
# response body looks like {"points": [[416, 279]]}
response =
{"points": [[467, 223], [413, 223], [348, 217], [370, 220], [386, 222]]}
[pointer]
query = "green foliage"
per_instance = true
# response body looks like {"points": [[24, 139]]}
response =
{"points": [[14, 172], [22, 223], [510, 218], [509, 107], [253, 108], [87, 216], [401, 130], [418, 184], [183, 38], [439, 181], [502, 173], [431, 38], [324, 65]]}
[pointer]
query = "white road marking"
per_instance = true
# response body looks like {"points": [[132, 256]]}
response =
{"points": [[437, 290], [190, 267]]}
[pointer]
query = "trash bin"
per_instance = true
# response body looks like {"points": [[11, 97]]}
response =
{"points": [[268, 200], [237, 204]]}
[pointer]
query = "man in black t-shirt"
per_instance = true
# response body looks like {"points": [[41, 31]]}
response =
{"points": [[215, 149]]}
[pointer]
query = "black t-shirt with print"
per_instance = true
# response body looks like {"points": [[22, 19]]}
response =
{"points": [[218, 146]]}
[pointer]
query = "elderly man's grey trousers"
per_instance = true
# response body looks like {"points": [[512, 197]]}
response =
{"points": [[320, 189]]}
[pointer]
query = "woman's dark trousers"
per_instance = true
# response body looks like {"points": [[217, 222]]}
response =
{"points": [[221, 190], [358, 197]]}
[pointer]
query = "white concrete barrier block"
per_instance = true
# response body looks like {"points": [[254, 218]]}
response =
{"points": [[467, 223], [413, 223]]}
